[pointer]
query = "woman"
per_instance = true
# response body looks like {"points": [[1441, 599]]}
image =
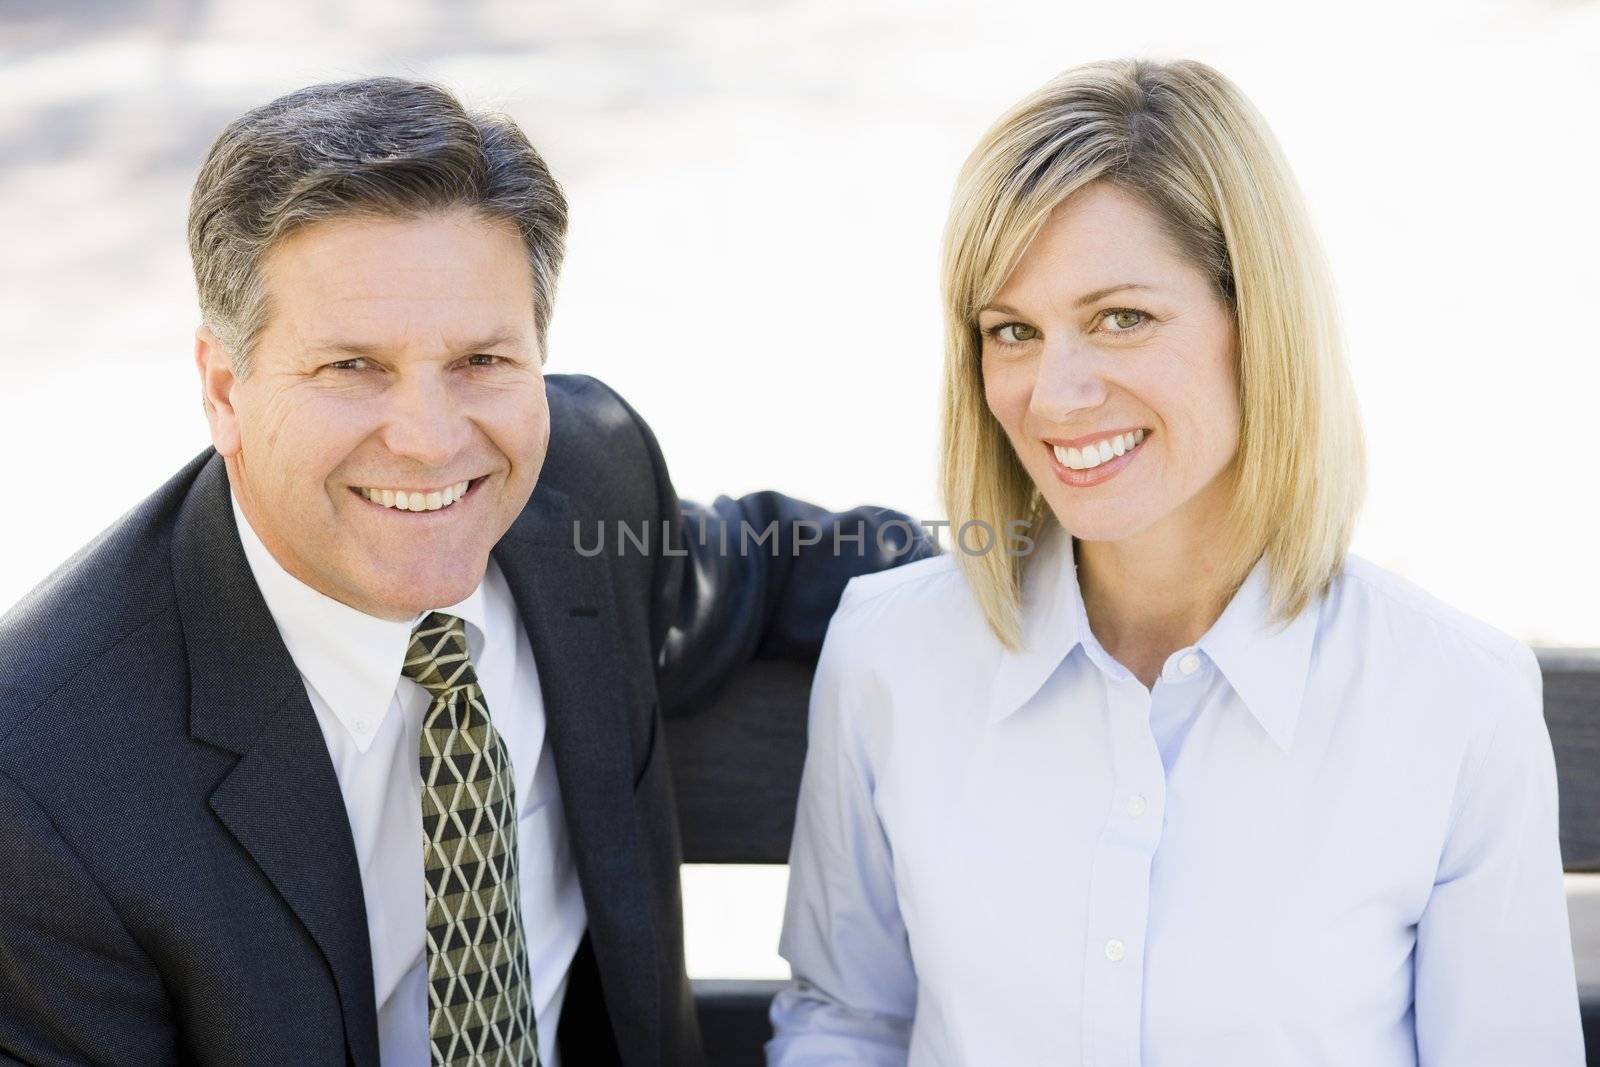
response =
{"points": [[1169, 778]]}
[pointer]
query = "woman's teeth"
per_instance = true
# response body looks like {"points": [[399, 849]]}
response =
{"points": [[1100, 452], [407, 500]]}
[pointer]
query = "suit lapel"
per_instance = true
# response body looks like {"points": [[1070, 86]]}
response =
{"points": [[282, 800], [569, 613]]}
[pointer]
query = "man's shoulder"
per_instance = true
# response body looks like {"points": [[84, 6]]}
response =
{"points": [[98, 599], [585, 409], [602, 455]]}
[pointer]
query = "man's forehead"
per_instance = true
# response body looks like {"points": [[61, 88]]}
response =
{"points": [[365, 287], [437, 253]]}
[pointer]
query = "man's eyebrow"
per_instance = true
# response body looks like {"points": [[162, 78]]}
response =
{"points": [[357, 348], [350, 348], [1082, 301]]}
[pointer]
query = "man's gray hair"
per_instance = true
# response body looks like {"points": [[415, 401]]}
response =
{"points": [[384, 147]]}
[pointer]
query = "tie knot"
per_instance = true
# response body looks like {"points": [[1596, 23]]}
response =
{"points": [[437, 659]]}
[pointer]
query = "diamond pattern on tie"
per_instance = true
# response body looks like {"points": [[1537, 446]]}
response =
{"points": [[480, 1008]]}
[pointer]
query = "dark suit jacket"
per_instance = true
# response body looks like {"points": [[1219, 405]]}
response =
{"points": [[178, 881]]}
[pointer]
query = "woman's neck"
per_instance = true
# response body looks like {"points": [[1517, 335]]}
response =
{"points": [[1149, 595]]}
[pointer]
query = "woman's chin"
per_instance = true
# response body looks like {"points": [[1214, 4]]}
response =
{"points": [[1107, 521]]}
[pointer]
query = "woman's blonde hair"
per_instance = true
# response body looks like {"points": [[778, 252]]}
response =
{"points": [[1183, 139]]}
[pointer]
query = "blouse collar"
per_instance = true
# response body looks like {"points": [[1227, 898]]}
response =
{"points": [[1266, 664]]}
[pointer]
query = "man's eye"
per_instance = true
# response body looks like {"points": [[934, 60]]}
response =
{"points": [[1124, 320], [483, 360]]}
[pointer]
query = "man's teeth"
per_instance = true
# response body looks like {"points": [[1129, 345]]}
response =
{"points": [[1099, 452], [405, 500]]}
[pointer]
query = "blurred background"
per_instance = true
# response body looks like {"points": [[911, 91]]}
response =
{"points": [[758, 191]]}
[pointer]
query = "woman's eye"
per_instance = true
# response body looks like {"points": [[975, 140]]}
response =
{"points": [[354, 363], [1124, 320], [1014, 333]]}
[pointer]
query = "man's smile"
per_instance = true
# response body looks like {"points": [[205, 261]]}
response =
{"points": [[407, 499]]}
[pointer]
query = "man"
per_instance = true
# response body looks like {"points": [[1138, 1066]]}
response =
{"points": [[343, 747]]}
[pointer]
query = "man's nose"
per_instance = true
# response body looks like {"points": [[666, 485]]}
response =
{"points": [[1070, 379], [425, 422]]}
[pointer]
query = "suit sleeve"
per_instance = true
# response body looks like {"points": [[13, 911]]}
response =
{"points": [[75, 988], [757, 576], [1494, 966]]}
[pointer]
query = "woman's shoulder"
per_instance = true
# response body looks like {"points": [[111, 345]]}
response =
{"points": [[908, 660], [915, 611], [1388, 615], [929, 578], [931, 591]]}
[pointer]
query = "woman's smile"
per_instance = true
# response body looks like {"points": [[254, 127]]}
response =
{"points": [[1090, 461]]}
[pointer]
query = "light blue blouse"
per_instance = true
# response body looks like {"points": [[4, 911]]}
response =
{"points": [[1334, 843]]}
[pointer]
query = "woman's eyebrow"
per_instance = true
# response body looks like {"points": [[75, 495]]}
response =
{"points": [[1082, 301], [1089, 298]]}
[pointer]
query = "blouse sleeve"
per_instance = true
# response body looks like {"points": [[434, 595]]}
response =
{"points": [[853, 993], [1494, 972]]}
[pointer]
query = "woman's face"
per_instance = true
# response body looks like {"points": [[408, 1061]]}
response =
{"points": [[1106, 342]]}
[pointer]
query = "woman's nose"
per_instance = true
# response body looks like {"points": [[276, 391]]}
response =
{"points": [[1069, 380]]}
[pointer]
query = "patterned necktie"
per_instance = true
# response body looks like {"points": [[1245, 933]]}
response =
{"points": [[480, 1004]]}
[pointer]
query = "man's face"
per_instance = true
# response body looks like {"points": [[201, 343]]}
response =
{"points": [[400, 357]]}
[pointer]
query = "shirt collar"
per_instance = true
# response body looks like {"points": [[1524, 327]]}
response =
{"points": [[1265, 664], [1053, 623], [350, 658]]}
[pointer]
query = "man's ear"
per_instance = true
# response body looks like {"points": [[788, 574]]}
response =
{"points": [[217, 383]]}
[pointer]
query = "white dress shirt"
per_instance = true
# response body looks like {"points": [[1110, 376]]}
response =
{"points": [[371, 718], [1335, 844]]}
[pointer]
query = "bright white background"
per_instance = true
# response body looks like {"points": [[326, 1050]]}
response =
{"points": [[757, 194]]}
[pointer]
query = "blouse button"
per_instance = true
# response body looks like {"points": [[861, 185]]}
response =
{"points": [[1115, 950], [1189, 664], [1136, 805]]}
